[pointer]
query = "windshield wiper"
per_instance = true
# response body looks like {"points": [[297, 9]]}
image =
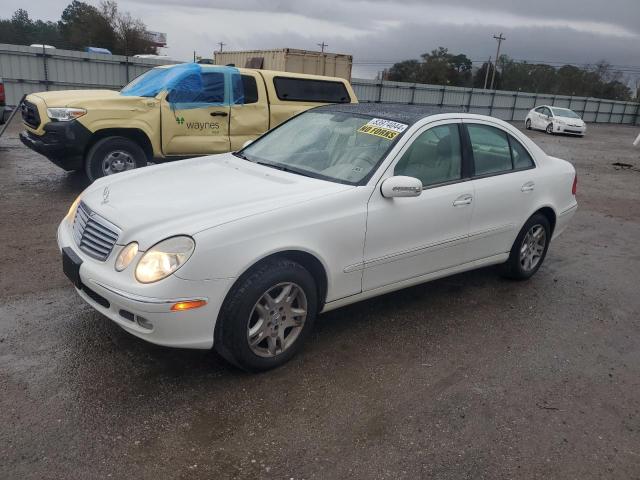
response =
{"points": [[283, 168], [240, 155]]}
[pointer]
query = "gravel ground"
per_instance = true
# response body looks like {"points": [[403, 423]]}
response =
{"points": [[472, 376]]}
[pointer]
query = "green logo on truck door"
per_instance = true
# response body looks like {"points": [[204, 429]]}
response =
{"points": [[180, 120]]}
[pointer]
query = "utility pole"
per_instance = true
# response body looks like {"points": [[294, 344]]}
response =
{"points": [[499, 38], [222, 44], [486, 75], [322, 46]]}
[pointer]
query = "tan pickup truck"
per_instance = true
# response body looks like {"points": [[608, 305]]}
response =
{"points": [[168, 113]]}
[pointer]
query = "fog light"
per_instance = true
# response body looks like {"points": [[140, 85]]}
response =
{"points": [[187, 305], [144, 323]]}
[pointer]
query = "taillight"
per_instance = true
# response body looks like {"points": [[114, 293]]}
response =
{"points": [[574, 188], [2, 97]]}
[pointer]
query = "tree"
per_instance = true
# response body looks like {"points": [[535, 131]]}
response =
{"points": [[81, 25], [437, 67]]}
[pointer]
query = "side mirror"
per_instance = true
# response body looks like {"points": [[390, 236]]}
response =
{"points": [[247, 143], [401, 186]]}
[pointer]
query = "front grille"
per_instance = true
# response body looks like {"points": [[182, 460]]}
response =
{"points": [[94, 235], [30, 114]]}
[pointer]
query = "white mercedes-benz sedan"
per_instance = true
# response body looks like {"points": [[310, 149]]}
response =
{"points": [[241, 251], [555, 120]]}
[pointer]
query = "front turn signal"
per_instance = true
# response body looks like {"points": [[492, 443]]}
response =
{"points": [[187, 305]]}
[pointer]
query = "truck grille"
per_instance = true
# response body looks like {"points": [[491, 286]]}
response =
{"points": [[94, 235], [30, 114]]}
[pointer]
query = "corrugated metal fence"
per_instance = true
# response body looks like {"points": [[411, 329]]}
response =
{"points": [[30, 69], [498, 103]]}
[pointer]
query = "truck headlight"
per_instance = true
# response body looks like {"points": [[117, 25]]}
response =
{"points": [[164, 258], [65, 114]]}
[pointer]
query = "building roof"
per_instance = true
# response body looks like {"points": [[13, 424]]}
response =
{"points": [[398, 112]]}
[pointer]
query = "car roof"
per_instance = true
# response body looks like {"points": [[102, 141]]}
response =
{"points": [[398, 112]]}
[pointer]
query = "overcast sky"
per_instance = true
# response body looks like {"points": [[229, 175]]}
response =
{"points": [[376, 31]]}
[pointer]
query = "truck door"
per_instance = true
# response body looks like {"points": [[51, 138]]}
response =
{"points": [[195, 120], [250, 109]]}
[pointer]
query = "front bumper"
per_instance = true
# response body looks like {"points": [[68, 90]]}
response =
{"points": [[133, 306], [569, 129], [63, 143]]}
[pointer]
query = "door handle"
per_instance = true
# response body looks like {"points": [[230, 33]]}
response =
{"points": [[218, 114], [463, 200], [528, 187]]}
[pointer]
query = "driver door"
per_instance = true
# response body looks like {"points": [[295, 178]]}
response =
{"points": [[199, 125], [410, 237]]}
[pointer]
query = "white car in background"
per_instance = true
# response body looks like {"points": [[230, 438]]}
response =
{"points": [[241, 251], [555, 120]]}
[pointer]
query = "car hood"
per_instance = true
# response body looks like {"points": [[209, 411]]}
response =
{"points": [[74, 98], [189, 196]]}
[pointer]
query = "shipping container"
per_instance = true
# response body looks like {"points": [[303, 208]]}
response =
{"points": [[290, 60]]}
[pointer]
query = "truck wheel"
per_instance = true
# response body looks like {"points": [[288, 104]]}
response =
{"points": [[113, 155]]}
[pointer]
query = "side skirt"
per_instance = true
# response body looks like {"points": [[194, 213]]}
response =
{"points": [[484, 262]]}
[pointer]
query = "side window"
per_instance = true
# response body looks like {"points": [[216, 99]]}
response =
{"points": [[520, 156], [547, 111], [212, 88], [203, 88], [308, 90], [540, 109], [434, 157], [245, 89], [491, 151]]}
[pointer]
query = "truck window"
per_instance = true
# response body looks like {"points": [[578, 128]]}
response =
{"points": [[212, 88], [307, 90], [208, 87], [245, 85]]}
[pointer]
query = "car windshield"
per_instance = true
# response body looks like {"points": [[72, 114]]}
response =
{"points": [[565, 112], [336, 146]]}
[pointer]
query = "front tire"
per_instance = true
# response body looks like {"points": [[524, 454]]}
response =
{"points": [[549, 129], [267, 315], [529, 249], [527, 124], [113, 155]]}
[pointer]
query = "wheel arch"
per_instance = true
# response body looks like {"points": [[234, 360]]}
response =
{"points": [[549, 213], [308, 260], [134, 134]]}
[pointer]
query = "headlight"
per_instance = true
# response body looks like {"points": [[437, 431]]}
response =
{"points": [[65, 114], [127, 254], [164, 258]]}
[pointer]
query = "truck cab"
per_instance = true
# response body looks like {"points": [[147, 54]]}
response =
{"points": [[169, 113]]}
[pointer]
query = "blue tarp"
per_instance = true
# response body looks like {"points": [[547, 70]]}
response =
{"points": [[190, 86]]}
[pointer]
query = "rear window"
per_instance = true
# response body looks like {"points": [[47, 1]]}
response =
{"points": [[307, 90]]}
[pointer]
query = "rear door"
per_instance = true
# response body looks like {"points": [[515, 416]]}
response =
{"points": [[195, 115], [249, 109], [504, 186]]}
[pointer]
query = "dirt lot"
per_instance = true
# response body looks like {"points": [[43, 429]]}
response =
{"points": [[467, 377]]}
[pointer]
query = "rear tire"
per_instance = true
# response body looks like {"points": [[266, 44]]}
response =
{"points": [[249, 325], [529, 249], [112, 155]]}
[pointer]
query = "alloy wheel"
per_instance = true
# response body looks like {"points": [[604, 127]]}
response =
{"points": [[117, 161], [277, 319], [532, 247]]}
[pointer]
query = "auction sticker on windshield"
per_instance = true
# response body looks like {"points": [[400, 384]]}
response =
{"points": [[383, 128]]}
